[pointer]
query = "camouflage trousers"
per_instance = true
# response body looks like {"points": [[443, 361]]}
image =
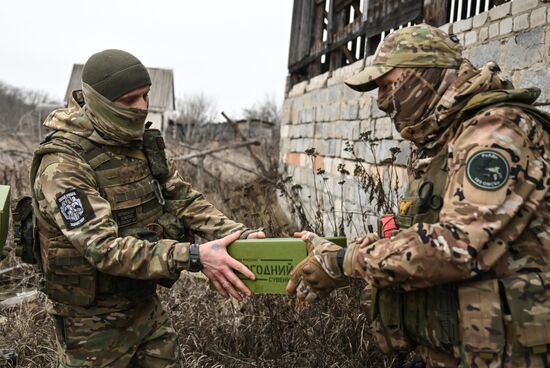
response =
{"points": [[506, 359], [504, 324], [140, 337]]}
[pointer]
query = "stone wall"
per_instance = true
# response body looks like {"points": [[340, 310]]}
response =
{"points": [[324, 114]]}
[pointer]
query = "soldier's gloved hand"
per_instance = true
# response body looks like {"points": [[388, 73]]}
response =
{"points": [[320, 272]]}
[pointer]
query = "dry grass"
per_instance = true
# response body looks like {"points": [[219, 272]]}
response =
{"points": [[268, 331], [262, 331]]}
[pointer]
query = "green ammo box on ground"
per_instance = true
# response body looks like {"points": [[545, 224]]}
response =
{"points": [[271, 260], [4, 216]]}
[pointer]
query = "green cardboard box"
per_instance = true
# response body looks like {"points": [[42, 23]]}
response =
{"points": [[271, 260], [4, 215]]}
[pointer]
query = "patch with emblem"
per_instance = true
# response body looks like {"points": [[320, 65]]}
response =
{"points": [[487, 170], [74, 208]]}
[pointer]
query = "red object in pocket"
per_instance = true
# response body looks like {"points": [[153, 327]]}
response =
{"points": [[388, 225]]}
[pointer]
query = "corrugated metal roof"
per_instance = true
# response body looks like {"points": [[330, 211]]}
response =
{"points": [[161, 97]]}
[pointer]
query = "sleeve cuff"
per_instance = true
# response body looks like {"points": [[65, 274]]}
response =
{"points": [[348, 259], [179, 259]]}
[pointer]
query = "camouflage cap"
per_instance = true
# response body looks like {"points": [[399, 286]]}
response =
{"points": [[420, 46]]}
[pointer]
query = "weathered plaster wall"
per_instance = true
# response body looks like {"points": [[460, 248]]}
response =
{"points": [[323, 113]]}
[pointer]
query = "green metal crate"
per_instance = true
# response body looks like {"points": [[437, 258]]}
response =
{"points": [[271, 260]]}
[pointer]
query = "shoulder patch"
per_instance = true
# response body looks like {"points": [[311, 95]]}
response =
{"points": [[74, 208], [487, 170]]}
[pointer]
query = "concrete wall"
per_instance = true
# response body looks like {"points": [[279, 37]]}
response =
{"points": [[324, 114]]}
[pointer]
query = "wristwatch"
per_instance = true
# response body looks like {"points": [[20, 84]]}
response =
{"points": [[195, 264]]}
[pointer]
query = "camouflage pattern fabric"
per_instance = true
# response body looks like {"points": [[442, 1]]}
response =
{"points": [[142, 337], [420, 46], [319, 273], [495, 219], [119, 123], [415, 87], [478, 219], [517, 337], [483, 333], [76, 222], [357, 246], [74, 119], [424, 102], [98, 239]]}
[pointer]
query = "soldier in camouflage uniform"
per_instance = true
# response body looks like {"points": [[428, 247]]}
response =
{"points": [[112, 225], [466, 278]]}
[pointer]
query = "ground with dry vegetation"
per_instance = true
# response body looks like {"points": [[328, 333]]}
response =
{"points": [[262, 331]]}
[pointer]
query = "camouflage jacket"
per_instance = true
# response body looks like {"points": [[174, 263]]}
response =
{"points": [[495, 223], [98, 239]]}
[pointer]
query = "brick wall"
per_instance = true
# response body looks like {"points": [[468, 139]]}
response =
{"points": [[324, 114]]}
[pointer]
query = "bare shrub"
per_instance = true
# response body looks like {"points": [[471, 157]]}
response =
{"points": [[193, 111]]}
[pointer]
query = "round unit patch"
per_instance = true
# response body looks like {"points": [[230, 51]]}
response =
{"points": [[487, 170]]}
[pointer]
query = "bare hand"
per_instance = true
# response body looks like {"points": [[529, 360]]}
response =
{"points": [[301, 234], [256, 235], [218, 266]]}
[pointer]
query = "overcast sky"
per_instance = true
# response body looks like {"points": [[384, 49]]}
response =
{"points": [[233, 51]]}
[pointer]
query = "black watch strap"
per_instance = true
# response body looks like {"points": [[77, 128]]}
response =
{"points": [[195, 264]]}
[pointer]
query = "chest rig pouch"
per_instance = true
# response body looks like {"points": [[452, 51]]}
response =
{"points": [[125, 179], [426, 316], [24, 231], [424, 196]]}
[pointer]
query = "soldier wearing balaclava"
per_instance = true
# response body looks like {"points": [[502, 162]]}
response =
{"points": [[113, 217], [465, 278]]}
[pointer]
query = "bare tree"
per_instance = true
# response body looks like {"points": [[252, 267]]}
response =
{"points": [[16, 107], [194, 110], [267, 109]]}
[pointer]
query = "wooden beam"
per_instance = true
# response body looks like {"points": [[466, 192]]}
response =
{"points": [[435, 12], [382, 15], [358, 10], [341, 4], [218, 149], [257, 160], [229, 162], [351, 59], [351, 34]]}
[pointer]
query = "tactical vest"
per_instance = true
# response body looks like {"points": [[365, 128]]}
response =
{"points": [[125, 180], [433, 316]]}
